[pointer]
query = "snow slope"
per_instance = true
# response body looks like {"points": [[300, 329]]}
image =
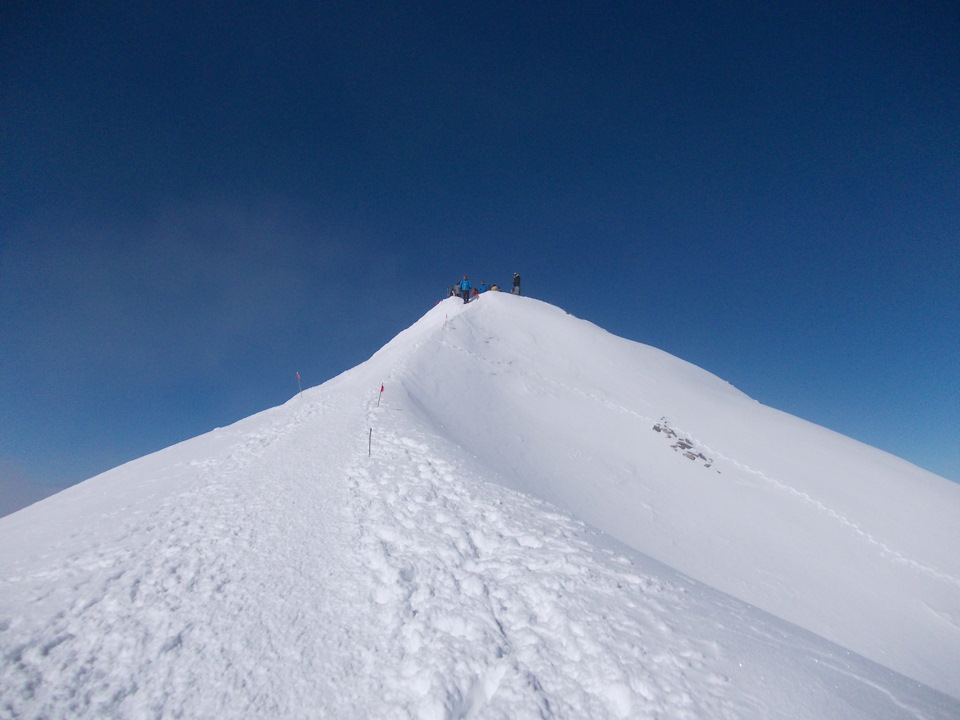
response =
{"points": [[840, 538], [333, 558]]}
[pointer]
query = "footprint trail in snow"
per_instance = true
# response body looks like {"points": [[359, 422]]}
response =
{"points": [[488, 600]]}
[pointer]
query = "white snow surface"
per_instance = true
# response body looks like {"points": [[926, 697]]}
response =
{"points": [[505, 535]]}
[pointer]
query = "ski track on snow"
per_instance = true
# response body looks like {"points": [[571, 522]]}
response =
{"points": [[887, 551]]}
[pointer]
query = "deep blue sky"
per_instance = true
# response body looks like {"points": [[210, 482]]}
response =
{"points": [[198, 200]]}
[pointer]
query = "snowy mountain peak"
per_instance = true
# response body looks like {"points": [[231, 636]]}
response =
{"points": [[498, 535]]}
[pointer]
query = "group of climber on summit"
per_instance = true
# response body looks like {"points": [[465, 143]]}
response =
{"points": [[467, 292]]}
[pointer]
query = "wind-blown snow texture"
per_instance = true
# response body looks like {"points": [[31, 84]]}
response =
{"points": [[332, 558]]}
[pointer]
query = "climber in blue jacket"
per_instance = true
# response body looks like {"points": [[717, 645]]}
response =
{"points": [[465, 289]]}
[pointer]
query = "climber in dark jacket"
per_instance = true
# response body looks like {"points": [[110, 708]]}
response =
{"points": [[516, 284]]}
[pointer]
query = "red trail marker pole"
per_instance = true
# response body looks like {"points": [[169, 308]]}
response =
{"points": [[298, 384], [380, 395]]}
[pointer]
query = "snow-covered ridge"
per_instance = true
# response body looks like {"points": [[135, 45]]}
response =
{"points": [[333, 558], [834, 535]]}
